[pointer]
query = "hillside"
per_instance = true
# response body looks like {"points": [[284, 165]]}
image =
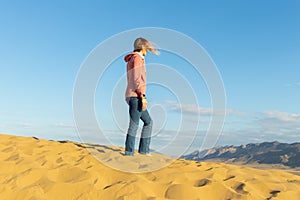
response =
{"points": [[33, 168], [260, 153]]}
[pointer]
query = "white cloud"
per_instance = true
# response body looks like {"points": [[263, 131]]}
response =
{"points": [[279, 121], [264, 126], [26, 125], [22, 125], [282, 116], [63, 125], [242, 128], [293, 84], [196, 110]]}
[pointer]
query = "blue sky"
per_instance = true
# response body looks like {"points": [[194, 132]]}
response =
{"points": [[255, 45]]}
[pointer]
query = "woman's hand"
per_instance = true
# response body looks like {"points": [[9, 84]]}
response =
{"points": [[144, 103]]}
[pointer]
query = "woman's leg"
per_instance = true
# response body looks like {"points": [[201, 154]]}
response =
{"points": [[134, 115], [144, 147]]}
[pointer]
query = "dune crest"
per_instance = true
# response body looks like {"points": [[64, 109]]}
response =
{"points": [[32, 168]]}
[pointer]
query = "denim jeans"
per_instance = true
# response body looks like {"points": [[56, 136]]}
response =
{"points": [[136, 113]]}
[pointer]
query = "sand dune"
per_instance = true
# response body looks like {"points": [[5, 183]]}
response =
{"points": [[32, 168]]}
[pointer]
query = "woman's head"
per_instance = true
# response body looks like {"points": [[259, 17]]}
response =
{"points": [[141, 44]]}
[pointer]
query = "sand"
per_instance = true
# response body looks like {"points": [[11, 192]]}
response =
{"points": [[32, 168]]}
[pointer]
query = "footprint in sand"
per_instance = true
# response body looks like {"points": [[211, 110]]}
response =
{"points": [[180, 191], [198, 164], [42, 152], [44, 183], [240, 188], [10, 180], [41, 160], [273, 194], [13, 157], [59, 160], [202, 182], [73, 174], [116, 183], [19, 161], [209, 169], [8, 149], [228, 178], [143, 166], [150, 176], [151, 198], [89, 166], [43, 163], [34, 174], [81, 157]]}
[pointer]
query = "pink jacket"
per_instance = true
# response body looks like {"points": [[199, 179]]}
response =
{"points": [[136, 75]]}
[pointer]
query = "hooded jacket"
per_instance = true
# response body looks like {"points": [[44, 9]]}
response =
{"points": [[136, 75]]}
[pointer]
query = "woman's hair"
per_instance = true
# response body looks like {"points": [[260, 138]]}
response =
{"points": [[141, 43]]}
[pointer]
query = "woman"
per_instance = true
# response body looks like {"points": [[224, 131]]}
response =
{"points": [[136, 97]]}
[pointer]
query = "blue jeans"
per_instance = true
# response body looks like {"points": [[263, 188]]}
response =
{"points": [[136, 113]]}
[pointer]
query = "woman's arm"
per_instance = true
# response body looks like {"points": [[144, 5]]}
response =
{"points": [[139, 76]]}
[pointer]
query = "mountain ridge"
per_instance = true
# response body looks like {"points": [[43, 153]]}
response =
{"points": [[253, 153]]}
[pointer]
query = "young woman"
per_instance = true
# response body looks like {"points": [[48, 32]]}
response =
{"points": [[136, 97]]}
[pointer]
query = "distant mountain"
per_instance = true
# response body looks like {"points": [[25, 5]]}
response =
{"points": [[262, 153]]}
